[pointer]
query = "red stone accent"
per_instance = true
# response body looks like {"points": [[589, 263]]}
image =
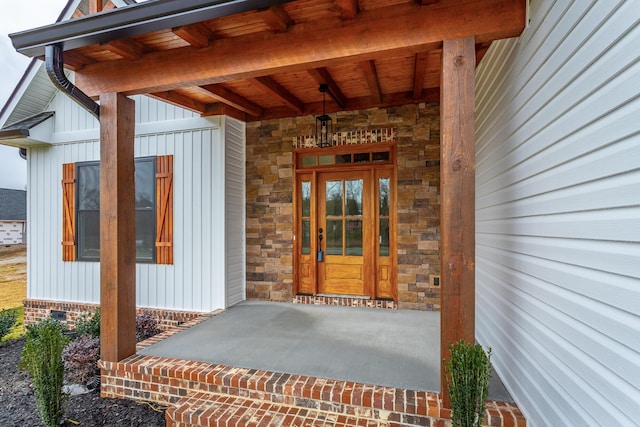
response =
{"points": [[345, 301]]}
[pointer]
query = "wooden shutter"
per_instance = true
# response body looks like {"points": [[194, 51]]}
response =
{"points": [[164, 210], [68, 212]]}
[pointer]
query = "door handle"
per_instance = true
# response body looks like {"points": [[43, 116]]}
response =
{"points": [[319, 254]]}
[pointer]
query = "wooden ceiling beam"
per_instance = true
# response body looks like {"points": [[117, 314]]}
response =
{"points": [[348, 8], [277, 89], [220, 109], [197, 35], [129, 49], [391, 99], [428, 2], [322, 76], [307, 45], [277, 19], [75, 61], [180, 100], [226, 96], [419, 70], [371, 76]]}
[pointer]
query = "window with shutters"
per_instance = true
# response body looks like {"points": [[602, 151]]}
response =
{"points": [[153, 204]]}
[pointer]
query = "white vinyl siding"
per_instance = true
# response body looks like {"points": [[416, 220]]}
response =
{"points": [[558, 213], [235, 210], [196, 280]]}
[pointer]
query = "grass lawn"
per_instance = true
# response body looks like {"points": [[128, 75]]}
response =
{"points": [[13, 283]]}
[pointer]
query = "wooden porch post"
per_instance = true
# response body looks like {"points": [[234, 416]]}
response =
{"points": [[117, 228], [457, 198]]}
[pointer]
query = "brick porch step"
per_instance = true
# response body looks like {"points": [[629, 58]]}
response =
{"points": [[219, 410]]}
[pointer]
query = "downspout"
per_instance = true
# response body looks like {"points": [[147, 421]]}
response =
{"points": [[54, 64]]}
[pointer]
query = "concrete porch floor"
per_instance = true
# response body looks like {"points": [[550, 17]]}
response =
{"points": [[396, 348]]}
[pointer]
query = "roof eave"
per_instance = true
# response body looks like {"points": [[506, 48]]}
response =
{"points": [[130, 21]]}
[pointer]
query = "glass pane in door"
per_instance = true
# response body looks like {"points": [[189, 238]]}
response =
{"points": [[334, 237], [306, 198], [354, 237], [384, 196], [354, 197], [334, 198]]}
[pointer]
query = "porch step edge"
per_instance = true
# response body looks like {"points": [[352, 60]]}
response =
{"points": [[202, 409]]}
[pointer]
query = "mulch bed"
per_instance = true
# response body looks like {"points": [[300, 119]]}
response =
{"points": [[18, 404]]}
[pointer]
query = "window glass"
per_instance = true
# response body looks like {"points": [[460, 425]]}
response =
{"points": [[306, 237], [306, 198], [354, 197], [343, 158], [361, 157], [334, 237], [326, 160], [88, 216], [384, 236], [381, 156], [334, 198], [88, 212], [354, 237], [308, 161], [384, 196]]}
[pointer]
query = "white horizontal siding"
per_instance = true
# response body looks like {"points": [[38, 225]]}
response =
{"points": [[196, 279], [558, 213], [235, 210]]}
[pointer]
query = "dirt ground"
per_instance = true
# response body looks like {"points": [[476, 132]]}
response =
{"points": [[17, 398]]}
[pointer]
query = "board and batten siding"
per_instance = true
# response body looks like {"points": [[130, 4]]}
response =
{"points": [[558, 213], [235, 142], [196, 280]]}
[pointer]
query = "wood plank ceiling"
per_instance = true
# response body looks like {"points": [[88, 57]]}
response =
{"points": [[388, 77]]}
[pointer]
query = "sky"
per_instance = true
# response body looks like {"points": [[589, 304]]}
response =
{"points": [[18, 16]]}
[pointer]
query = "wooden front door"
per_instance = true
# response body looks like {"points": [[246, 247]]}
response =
{"points": [[345, 229], [349, 194]]}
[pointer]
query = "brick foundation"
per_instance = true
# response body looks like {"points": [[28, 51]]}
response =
{"points": [[270, 204], [198, 391], [37, 310]]}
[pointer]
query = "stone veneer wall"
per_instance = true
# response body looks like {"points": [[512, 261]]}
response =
{"points": [[270, 208]]}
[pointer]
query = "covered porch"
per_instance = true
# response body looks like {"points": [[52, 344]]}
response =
{"points": [[261, 61], [375, 365]]}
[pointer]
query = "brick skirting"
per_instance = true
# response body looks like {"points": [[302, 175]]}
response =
{"points": [[176, 382], [37, 310]]}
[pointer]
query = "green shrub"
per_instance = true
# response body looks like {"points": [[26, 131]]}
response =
{"points": [[89, 324], [7, 320], [42, 356], [468, 372]]}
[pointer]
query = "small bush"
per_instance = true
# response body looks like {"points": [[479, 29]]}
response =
{"points": [[81, 358], [89, 324], [42, 356], [468, 373], [146, 326], [7, 320]]}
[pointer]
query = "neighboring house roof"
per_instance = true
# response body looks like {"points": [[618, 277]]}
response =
{"points": [[13, 205]]}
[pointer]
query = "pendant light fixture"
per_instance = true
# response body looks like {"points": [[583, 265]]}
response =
{"points": [[324, 125]]}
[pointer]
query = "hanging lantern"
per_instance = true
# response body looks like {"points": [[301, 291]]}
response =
{"points": [[324, 125]]}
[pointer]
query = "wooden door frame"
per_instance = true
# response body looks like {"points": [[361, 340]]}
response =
{"points": [[312, 172]]}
